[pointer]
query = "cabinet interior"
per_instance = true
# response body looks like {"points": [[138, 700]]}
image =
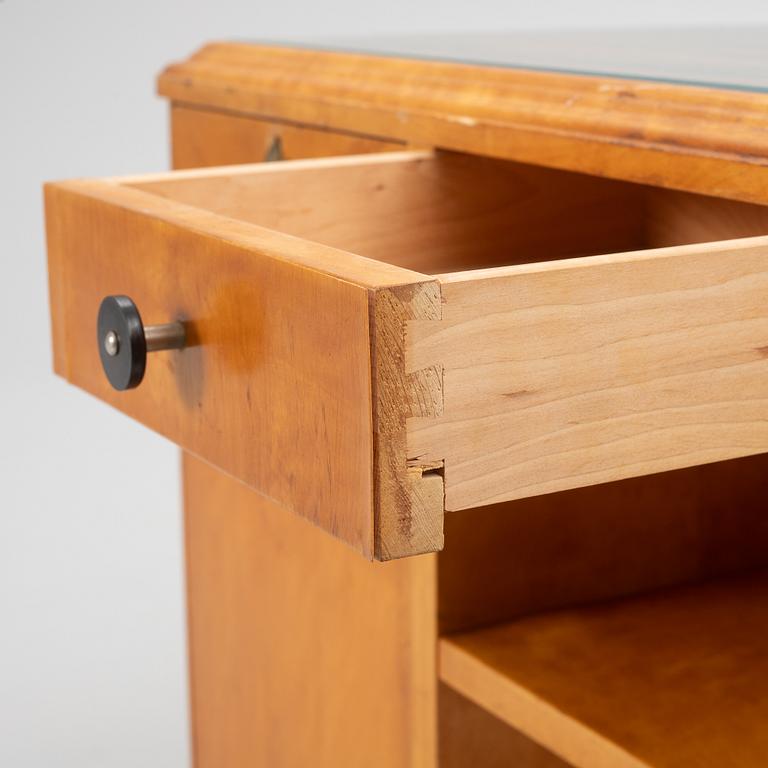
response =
{"points": [[594, 620], [443, 212]]}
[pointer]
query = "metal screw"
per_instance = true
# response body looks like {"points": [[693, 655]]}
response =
{"points": [[111, 343]]}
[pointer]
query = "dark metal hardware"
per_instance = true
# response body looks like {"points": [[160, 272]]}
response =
{"points": [[124, 341]]}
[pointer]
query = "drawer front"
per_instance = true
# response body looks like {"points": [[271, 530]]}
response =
{"points": [[275, 384]]}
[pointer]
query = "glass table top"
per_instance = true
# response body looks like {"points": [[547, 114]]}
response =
{"points": [[723, 57]]}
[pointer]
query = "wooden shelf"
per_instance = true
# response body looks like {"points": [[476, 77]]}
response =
{"points": [[675, 678]]}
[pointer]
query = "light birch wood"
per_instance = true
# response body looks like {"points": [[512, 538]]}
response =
{"points": [[507, 560], [202, 137], [275, 387], [556, 372], [706, 140], [425, 211], [301, 652], [582, 371], [471, 737], [674, 678]]}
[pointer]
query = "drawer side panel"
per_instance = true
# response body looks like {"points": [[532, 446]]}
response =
{"points": [[568, 374]]}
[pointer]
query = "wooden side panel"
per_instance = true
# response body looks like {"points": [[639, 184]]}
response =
{"points": [[301, 652], [674, 678], [572, 547], [275, 388], [203, 137], [572, 373]]}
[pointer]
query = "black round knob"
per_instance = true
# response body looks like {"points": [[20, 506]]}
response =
{"points": [[122, 343]]}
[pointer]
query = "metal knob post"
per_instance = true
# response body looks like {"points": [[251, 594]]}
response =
{"points": [[165, 336], [124, 341]]}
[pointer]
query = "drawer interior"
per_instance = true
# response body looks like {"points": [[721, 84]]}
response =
{"points": [[614, 625], [442, 212]]}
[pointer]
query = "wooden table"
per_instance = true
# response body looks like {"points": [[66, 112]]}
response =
{"points": [[473, 400]]}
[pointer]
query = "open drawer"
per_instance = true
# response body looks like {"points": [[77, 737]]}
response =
{"points": [[480, 348]]}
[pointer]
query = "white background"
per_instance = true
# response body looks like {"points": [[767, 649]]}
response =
{"points": [[92, 647]]}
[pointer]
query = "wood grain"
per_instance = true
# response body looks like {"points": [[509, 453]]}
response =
{"points": [[676, 136], [471, 737], [570, 373], [301, 652], [408, 498], [284, 339], [675, 218], [430, 212], [674, 678], [562, 549], [503, 396], [205, 137], [266, 371]]}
